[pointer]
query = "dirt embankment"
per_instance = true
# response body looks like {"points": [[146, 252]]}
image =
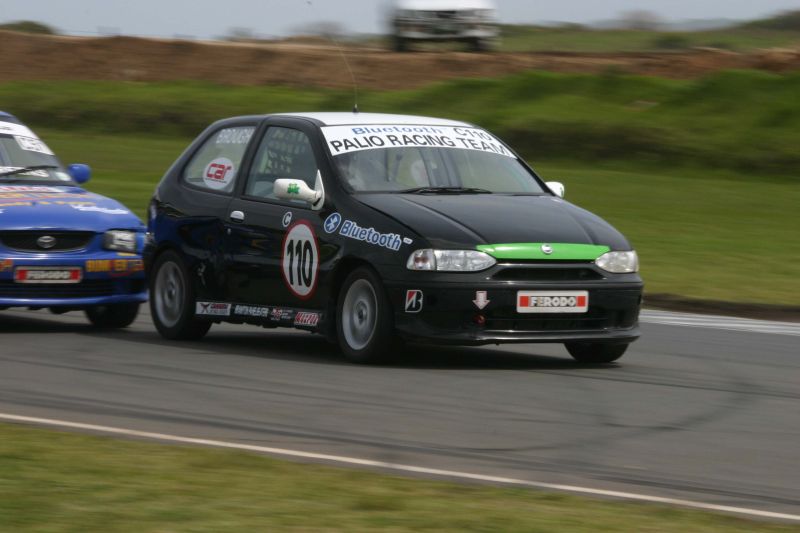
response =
{"points": [[33, 57]]}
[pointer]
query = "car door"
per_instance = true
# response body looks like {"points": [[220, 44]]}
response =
{"points": [[277, 249], [196, 203]]}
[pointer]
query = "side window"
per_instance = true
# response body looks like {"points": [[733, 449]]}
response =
{"points": [[216, 164], [283, 153]]}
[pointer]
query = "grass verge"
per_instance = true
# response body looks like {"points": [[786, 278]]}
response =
{"points": [[53, 481], [746, 121], [702, 234]]}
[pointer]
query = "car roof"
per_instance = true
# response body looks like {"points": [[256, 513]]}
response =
{"points": [[443, 5], [352, 119], [6, 115]]}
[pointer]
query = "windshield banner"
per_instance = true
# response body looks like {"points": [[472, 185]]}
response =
{"points": [[346, 139]]}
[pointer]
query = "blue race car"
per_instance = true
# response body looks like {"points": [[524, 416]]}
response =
{"points": [[62, 247]]}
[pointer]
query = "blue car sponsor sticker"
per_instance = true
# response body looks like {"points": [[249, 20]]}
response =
{"points": [[332, 222]]}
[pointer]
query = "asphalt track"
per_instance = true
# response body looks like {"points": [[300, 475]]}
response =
{"points": [[705, 409]]}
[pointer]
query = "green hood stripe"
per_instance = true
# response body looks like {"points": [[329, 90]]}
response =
{"points": [[533, 250]]}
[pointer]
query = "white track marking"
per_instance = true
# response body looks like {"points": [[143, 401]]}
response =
{"points": [[398, 467], [719, 322]]}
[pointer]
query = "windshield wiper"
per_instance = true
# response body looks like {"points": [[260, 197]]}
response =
{"points": [[27, 169], [446, 190]]}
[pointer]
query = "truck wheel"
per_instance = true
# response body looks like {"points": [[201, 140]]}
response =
{"points": [[595, 353], [172, 300], [399, 44], [112, 316], [364, 321]]}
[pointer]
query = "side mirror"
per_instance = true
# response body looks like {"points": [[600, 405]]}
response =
{"points": [[291, 189], [556, 187], [79, 173]]}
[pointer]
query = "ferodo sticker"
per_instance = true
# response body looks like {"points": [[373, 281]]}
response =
{"points": [[48, 275], [300, 259], [346, 139], [219, 173], [552, 301]]}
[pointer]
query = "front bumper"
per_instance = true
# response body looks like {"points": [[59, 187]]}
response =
{"points": [[106, 278], [449, 314]]}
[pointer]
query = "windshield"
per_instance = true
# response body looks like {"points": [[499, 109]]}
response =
{"points": [[426, 159], [20, 148]]}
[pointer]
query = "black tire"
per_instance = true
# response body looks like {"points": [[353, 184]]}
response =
{"points": [[399, 44], [595, 353], [364, 319], [113, 316], [172, 300], [479, 45]]}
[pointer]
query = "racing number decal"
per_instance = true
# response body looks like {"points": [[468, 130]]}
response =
{"points": [[300, 260]]}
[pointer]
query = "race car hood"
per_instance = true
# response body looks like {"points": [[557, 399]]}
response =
{"points": [[467, 220], [25, 207]]}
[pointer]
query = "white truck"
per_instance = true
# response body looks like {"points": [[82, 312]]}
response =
{"points": [[473, 22]]}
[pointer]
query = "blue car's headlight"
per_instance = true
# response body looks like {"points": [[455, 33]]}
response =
{"points": [[120, 241]]}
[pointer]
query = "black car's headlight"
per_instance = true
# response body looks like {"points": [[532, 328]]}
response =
{"points": [[450, 260], [618, 262], [120, 241]]}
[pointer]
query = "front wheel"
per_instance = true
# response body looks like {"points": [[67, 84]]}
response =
{"points": [[172, 300], [112, 316], [595, 353], [364, 322]]}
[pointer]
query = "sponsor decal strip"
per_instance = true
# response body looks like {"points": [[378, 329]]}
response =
{"points": [[278, 315], [115, 266], [346, 139]]}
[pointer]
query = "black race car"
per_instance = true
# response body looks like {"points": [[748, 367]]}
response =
{"points": [[369, 227]]}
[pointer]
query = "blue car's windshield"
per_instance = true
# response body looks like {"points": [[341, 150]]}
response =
{"points": [[20, 148]]}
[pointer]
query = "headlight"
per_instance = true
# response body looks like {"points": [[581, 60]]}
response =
{"points": [[449, 260], [618, 262], [120, 240]]}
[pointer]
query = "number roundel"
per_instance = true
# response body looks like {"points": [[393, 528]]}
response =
{"points": [[300, 259]]}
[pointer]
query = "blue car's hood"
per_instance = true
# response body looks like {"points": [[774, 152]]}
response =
{"points": [[61, 207]]}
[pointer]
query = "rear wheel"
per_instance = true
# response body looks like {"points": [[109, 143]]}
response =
{"points": [[112, 316], [364, 323], [172, 300], [595, 353]]}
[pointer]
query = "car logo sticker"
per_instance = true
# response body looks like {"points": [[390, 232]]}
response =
{"points": [[219, 173], [46, 242], [547, 249], [332, 222], [481, 299], [413, 301], [287, 219], [300, 260]]}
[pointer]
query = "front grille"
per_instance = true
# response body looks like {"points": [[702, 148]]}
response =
{"points": [[85, 289], [65, 241], [547, 274]]}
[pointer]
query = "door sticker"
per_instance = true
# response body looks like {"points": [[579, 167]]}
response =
{"points": [[219, 173], [300, 260]]}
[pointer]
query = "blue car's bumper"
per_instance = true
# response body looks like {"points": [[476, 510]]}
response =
{"points": [[103, 277]]}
